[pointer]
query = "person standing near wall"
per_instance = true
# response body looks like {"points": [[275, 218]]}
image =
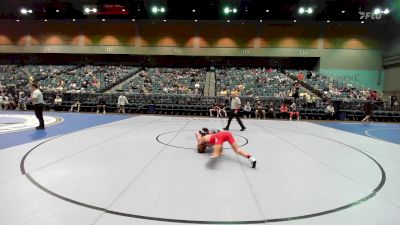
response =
{"points": [[38, 104], [235, 111], [122, 101]]}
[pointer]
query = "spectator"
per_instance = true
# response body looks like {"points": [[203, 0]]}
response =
{"points": [[77, 105], [215, 109], [271, 110], [330, 111], [224, 92], [101, 105], [247, 110], [6, 102], [284, 111], [260, 110], [293, 111], [121, 103], [1, 100], [22, 101], [222, 111], [368, 107], [57, 103]]}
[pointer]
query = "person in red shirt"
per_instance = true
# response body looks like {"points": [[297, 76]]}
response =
{"points": [[284, 111], [216, 139]]}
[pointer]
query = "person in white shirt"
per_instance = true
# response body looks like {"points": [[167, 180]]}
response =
{"points": [[330, 111], [247, 110], [235, 111], [122, 101], [38, 104]]}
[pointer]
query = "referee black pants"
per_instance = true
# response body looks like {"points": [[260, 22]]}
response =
{"points": [[39, 113], [237, 115]]}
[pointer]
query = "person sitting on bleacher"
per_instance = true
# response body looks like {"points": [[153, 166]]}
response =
{"points": [[215, 109], [77, 105], [293, 111], [330, 111], [247, 110], [101, 105], [260, 111], [56, 103], [222, 111], [271, 110], [284, 111]]}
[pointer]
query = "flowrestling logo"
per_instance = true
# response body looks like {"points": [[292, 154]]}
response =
{"points": [[369, 15], [14, 122]]}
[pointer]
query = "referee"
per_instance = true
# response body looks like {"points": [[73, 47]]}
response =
{"points": [[38, 105], [235, 110]]}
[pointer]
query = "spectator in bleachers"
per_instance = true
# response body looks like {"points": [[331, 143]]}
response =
{"points": [[5, 101], [101, 105], [330, 111], [271, 110], [12, 102], [215, 109], [368, 107], [222, 111], [259, 110], [76, 105], [284, 111], [122, 101], [247, 110], [2, 100], [56, 103], [293, 111], [22, 101], [224, 92]]}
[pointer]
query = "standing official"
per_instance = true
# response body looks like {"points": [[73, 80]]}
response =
{"points": [[235, 111], [38, 104]]}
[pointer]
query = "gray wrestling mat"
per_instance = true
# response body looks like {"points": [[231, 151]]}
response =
{"points": [[145, 170]]}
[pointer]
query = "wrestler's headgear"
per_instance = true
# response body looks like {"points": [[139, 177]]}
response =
{"points": [[204, 131]]}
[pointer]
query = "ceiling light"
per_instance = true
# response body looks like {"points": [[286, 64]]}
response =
{"points": [[30, 11], [87, 10], [377, 11], [260, 21], [94, 10], [226, 10], [386, 11], [17, 20], [24, 11], [123, 10], [57, 10], [228, 21], [193, 10], [73, 20], [294, 21], [133, 20], [310, 10], [301, 10], [267, 10], [234, 10], [195, 21], [162, 9], [165, 20], [328, 21], [154, 9], [362, 21], [343, 11], [103, 20], [45, 20]]}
